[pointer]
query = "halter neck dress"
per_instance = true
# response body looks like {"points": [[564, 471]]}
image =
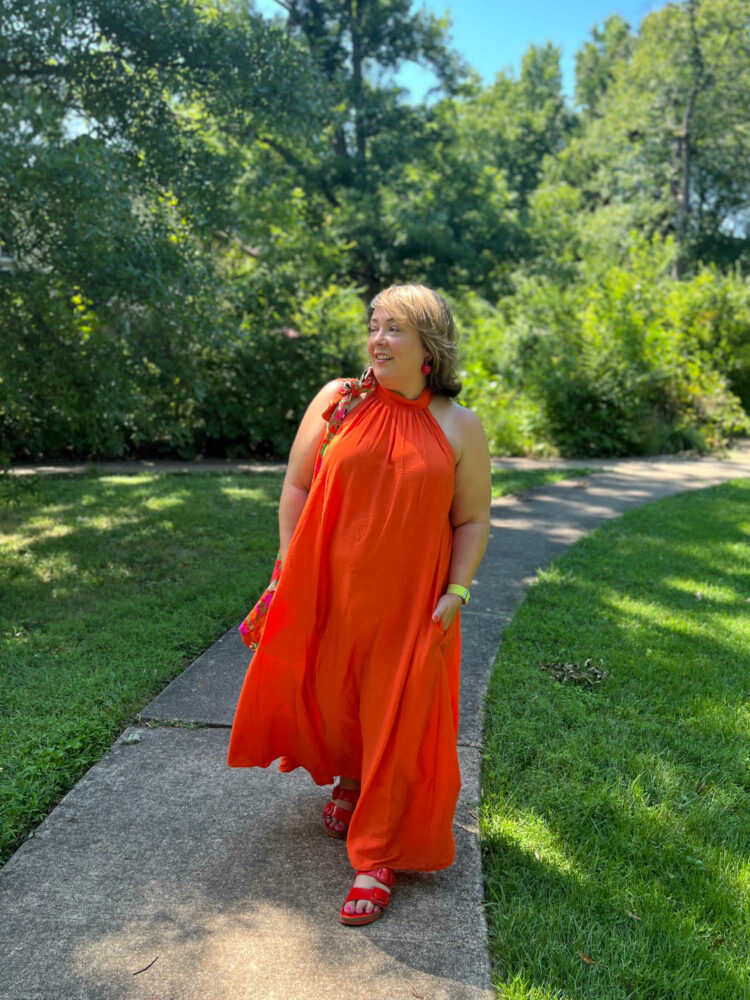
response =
{"points": [[352, 676]]}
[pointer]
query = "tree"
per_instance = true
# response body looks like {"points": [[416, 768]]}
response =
{"points": [[138, 82], [371, 135], [597, 61], [110, 184], [666, 136]]}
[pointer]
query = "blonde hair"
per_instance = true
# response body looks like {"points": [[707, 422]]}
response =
{"points": [[429, 314]]}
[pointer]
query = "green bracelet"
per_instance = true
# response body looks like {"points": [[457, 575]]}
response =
{"points": [[459, 591]]}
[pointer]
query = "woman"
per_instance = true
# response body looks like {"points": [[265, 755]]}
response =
{"points": [[357, 673]]}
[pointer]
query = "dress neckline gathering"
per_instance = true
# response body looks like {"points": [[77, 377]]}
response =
{"points": [[421, 402]]}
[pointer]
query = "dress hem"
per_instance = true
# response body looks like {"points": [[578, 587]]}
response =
{"points": [[410, 868]]}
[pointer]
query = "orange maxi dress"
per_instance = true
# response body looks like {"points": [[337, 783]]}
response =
{"points": [[352, 676]]}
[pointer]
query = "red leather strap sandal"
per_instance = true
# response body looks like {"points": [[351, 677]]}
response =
{"points": [[338, 812], [380, 897]]}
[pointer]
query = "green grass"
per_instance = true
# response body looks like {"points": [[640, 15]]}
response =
{"points": [[505, 481], [109, 586], [615, 821]]}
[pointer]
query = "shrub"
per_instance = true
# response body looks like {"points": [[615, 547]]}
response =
{"points": [[635, 378], [83, 382], [487, 365], [624, 361]]}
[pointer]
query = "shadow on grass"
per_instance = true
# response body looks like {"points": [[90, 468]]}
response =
{"points": [[101, 540], [109, 586], [616, 821]]}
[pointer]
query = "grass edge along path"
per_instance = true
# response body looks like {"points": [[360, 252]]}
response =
{"points": [[111, 584], [511, 481], [615, 818]]}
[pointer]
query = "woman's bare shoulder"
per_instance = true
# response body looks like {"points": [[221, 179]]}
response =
{"points": [[467, 419], [323, 399], [460, 425], [336, 383], [325, 394]]}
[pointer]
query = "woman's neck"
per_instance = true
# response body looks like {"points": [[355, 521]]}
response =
{"points": [[409, 389]]}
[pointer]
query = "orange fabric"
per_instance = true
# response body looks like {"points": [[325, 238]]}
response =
{"points": [[352, 677]]}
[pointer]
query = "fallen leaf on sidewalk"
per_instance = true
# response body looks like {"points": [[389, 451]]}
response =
{"points": [[587, 960], [132, 738]]}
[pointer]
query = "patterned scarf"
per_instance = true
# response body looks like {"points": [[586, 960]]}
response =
{"points": [[339, 406]]}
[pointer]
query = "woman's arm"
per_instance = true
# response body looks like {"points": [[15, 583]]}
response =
{"points": [[470, 512], [299, 471]]}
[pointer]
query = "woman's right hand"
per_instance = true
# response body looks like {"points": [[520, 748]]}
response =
{"points": [[446, 610]]}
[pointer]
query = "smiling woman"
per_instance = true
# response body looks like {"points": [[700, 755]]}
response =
{"points": [[411, 326], [382, 527]]}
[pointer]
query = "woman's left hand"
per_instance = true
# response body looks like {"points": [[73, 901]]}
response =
{"points": [[446, 608]]}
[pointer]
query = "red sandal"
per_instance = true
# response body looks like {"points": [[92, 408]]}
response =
{"points": [[338, 813], [374, 894]]}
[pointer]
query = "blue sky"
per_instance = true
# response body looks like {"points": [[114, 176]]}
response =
{"points": [[494, 35]]}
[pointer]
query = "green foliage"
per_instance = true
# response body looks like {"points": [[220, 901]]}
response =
{"points": [[713, 313], [257, 389], [665, 134], [597, 61], [182, 182], [621, 377], [624, 360], [155, 388], [111, 184], [487, 350]]}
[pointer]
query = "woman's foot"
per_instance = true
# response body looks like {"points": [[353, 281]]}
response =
{"points": [[338, 813], [369, 896]]}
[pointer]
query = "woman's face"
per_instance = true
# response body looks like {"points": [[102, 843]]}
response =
{"points": [[394, 347]]}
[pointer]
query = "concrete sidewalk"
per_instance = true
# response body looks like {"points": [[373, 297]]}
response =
{"points": [[165, 875]]}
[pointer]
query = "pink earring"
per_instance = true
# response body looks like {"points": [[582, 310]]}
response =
{"points": [[426, 366]]}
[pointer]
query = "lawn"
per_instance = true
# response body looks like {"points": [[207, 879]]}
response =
{"points": [[109, 586], [615, 820]]}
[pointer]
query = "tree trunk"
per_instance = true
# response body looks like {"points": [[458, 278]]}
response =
{"points": [[683, 149], [357, 60], [683, 145]]}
